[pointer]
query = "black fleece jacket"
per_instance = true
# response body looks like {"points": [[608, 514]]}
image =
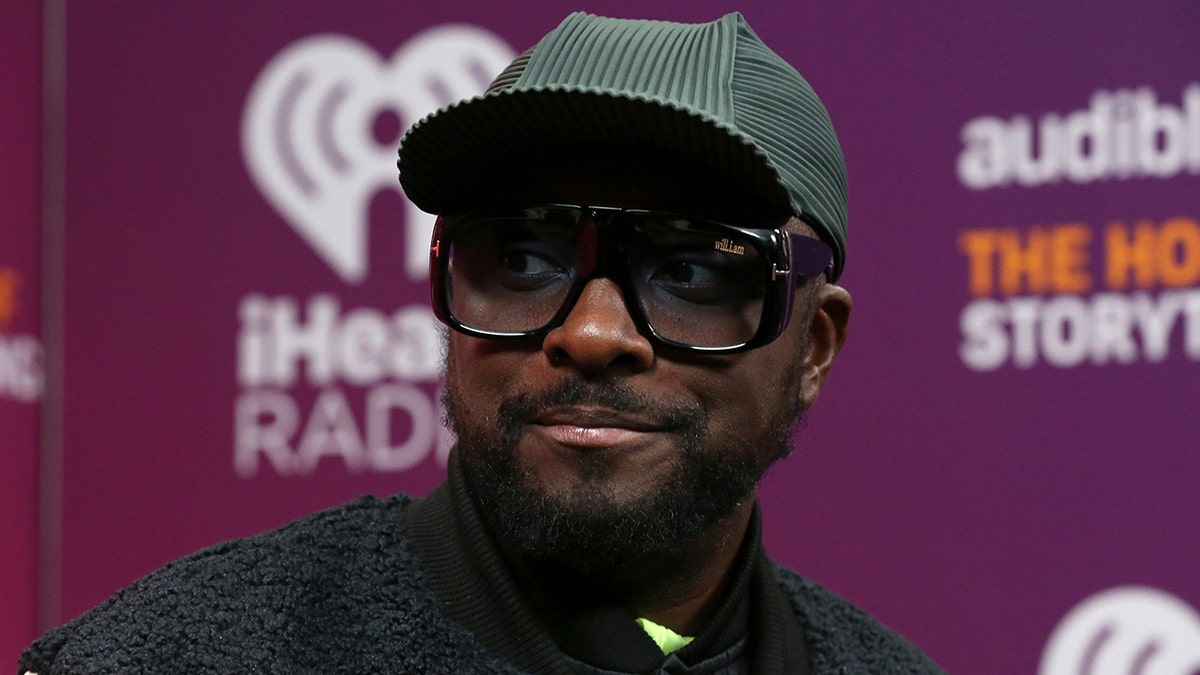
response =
{"points": [[342, 591]]}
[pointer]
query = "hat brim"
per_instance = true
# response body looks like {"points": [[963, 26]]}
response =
{"points": [[446, 156]]}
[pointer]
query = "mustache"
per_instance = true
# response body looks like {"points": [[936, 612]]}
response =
{"points": [[673, 416]]}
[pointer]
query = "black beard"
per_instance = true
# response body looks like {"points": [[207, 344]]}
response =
{"points": [[587, 529]]}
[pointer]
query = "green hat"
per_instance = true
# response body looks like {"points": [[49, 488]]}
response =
{"points": [[710, 92]]}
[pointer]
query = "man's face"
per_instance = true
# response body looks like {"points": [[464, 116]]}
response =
{"points": [[589, 445]]}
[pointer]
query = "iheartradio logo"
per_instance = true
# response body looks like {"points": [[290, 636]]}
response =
{"points": [[1130, 630], [311, 125]]}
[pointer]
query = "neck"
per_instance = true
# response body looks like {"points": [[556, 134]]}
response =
{"points": [[682, 590]]}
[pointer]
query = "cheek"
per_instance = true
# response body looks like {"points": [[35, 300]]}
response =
{"points": [[753, 393], [483, 372]]}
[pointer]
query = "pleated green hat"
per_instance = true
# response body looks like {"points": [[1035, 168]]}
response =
{"points": [[712, 93]]}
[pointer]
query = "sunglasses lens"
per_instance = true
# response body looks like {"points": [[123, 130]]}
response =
{"points": [[511, 274], [697, 286]]}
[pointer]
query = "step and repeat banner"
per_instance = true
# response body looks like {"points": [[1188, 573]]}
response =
{"points": [[22, 379], [1003, 466]]}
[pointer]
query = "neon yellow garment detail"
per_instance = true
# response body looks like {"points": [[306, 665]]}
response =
{"points": [[666, 639]]}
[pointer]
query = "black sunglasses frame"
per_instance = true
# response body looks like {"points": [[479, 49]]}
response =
{"points": [[793, 260]]}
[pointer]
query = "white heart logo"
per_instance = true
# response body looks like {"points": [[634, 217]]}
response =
{"points": [[1130, 630], [308, 131]]}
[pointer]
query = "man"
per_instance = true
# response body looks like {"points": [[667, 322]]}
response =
{"points": [[640, 226]]}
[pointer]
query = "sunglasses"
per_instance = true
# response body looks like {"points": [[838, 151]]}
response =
{"points": [[688, 283]]}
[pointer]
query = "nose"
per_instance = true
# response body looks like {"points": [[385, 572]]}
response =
{"points": [[598, 334]]}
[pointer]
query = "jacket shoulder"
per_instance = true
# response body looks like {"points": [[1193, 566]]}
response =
{"points": [[843, 638], [338, 589]]}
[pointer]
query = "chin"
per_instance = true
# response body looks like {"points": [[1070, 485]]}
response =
{"points": [[590, 522], [584, 512]]}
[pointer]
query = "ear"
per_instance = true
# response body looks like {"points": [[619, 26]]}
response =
{"points": [[826, 335]]}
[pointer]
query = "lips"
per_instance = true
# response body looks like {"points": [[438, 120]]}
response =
{"points": [[586, 427], [588, 417]]}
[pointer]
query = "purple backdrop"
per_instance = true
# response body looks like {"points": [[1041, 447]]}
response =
{"points": [[21, 379], [1008, 433]]}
